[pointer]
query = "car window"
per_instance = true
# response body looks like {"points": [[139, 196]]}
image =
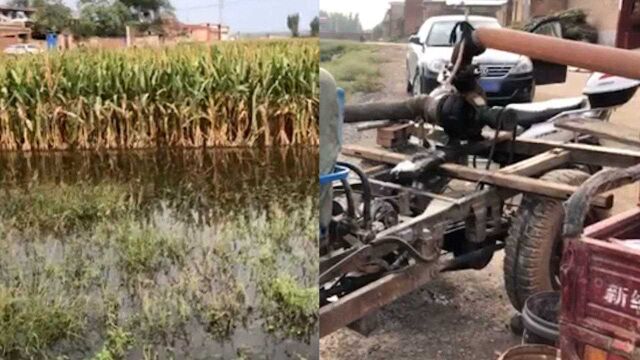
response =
{"points": [[441, 31], [551, 29]]}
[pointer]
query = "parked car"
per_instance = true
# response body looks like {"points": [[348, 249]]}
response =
{"points": [[21, 49], [505, 77]]}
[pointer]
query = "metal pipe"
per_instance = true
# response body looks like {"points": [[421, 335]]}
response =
{"points": [[388, 110], [575, 53]]}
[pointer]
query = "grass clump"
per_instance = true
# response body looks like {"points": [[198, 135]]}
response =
{"points": [[289, 308], [63, 208], [355, 66], [118, 341], [33, 320], [144, 250], [225, 311]]}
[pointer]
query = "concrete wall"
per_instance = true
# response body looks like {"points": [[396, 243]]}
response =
{"points": [[546, 7], [603, 14], [105, 43]]}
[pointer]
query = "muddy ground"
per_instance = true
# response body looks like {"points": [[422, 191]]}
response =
{"points": [[462, 315]]}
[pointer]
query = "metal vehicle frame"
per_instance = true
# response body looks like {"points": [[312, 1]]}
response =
{"points": [[479, 211]]}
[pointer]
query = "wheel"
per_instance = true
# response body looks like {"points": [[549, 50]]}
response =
{"points": [[533, 248], [416, 84], [409, 84]]}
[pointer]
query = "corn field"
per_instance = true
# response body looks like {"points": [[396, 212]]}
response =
{"points": [[254, 93]]}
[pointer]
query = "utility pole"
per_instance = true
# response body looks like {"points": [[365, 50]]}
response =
{"points": [[220, 18], [220, 10]]}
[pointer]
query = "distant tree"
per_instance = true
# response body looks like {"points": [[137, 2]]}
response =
{"points": [[315, 26], [293, 22], [342, 23], [103, 18], [145, 10], [50, 16]]}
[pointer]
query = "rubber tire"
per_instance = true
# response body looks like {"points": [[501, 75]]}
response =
{"points": [[533, 235], [415, 85]]}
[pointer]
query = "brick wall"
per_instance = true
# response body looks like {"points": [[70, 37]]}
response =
{"points": [[412, 16]]}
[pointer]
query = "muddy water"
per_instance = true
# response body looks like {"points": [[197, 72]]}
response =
{"points": [[185, 254]]}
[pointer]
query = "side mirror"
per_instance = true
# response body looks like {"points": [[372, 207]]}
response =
{"points": [[414, 39]]}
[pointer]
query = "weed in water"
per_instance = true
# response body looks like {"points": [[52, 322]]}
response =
{"points": [[143, 250], [33, 319], [289, 308], [224, 310], [62, 208], [118, 341]]}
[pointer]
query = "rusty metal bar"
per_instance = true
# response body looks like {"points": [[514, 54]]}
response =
{"points": [[580, 153], [495, 178], [383, 291], [575, 53]]}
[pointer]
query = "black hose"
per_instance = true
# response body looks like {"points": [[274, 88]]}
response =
{"points": [[367, 194], [348, 192]]}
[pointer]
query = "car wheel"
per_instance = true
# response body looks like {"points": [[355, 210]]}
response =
{"points": [[416, 84], [409, 82]]}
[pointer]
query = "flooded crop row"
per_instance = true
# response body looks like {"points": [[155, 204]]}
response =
{"points": [[167, 254]]}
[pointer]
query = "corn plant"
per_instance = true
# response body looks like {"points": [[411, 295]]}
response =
{"points": [[231, 94]]}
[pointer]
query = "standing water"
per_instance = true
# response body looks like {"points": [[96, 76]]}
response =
{"points": [[198, 254]]}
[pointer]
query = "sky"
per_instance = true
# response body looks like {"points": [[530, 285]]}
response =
{"points": [[244, 15], [371, 11]]}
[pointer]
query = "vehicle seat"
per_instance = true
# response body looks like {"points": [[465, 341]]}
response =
{"points": [[528, 114]]}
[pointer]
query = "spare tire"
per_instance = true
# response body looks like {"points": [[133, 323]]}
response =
{"points": [[533, 248]]}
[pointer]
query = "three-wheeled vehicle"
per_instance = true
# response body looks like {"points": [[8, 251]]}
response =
{"points": [[466, 186]]}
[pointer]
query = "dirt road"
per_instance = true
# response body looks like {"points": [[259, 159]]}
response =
{"points": [[462, 315]]}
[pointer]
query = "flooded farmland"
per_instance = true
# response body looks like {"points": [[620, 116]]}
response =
{"points": [[198, 254]]}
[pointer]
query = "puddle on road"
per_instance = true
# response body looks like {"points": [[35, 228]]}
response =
{"points": [[174, 254]]}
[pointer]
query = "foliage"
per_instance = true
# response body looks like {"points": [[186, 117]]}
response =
{"points": [[355, 66], [293, 22], [61, 208], [232, 94], [103, 18], [33, 318], [289, 307], [50, 16], [342, 23], [315, 26], [574, 25]]}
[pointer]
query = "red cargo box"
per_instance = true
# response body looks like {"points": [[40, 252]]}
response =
{"points": [[600, 313]]}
